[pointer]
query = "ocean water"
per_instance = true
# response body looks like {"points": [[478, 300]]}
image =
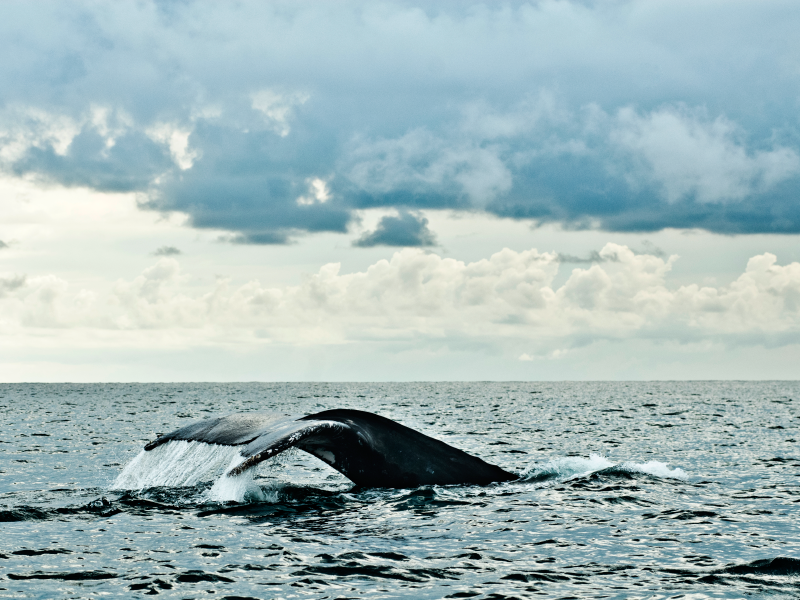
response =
{"points": [[626, 490]]}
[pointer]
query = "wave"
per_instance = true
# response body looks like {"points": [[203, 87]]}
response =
{"points": [[573, 467]]}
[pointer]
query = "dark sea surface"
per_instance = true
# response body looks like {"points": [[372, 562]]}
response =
{"points": [[627, 490]]}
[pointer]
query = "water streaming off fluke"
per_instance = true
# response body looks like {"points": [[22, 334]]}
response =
{"points": [[176, 464]]}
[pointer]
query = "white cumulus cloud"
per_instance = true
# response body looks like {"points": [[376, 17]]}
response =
{"points": [[506, 300]]}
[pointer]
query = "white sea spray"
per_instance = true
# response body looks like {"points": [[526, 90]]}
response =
{"points": [[182, 464], [239, 488], [658, 469], [175, 464], [570, 467]]}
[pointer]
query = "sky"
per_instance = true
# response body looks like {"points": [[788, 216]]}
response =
{"points": [[365, 191]]}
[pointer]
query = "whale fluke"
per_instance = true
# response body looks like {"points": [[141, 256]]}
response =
{"points": [[368, 449]]}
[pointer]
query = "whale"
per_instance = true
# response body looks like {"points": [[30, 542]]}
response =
{"points": [[368, 449]]}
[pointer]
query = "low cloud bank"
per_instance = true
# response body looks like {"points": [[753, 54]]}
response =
{"points": [[417, 298]]}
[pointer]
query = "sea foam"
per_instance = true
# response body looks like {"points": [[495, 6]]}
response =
{"points": [[238, 488], [575, 466]]}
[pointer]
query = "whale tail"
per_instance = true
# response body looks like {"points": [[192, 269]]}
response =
{"points": [[368, 449]]}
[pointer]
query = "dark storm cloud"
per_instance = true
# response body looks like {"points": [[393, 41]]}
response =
{"points": [[406, 229], [270, 120]]}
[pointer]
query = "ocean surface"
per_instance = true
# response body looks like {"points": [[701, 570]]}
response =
{"points": [[626, 490]]}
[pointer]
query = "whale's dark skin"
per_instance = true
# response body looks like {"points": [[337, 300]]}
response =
{"points": [[370, 450]]}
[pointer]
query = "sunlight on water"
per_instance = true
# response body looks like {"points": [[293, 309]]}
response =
{"points": [[176, 464]]}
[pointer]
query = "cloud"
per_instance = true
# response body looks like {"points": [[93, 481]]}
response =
{"points": [[318, 192], [277, 108], [686, 155], [670, 167], [177, 140], [3, 245], [406, 229], [594, 257], [618, 116], [11, 283], [167, 251], [100, 148], [422, 166], [505, 303], [31, 128]]}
